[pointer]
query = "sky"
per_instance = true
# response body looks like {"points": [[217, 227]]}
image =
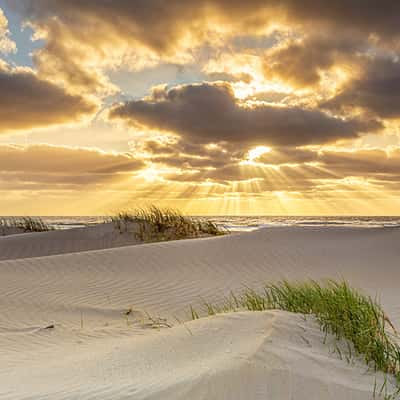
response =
{"points": [[215, 107]]}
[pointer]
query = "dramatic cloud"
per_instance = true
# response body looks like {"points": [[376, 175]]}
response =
{"points": [[53, 159], [209, 113], [60, 165], [363, 162], [377, 90], [85, 33], [301, 61], [266, 180], [377, 17], [183, 155], [297, 166], [6, 44], [288, 155], [169, 21], [298, 169], [296, 97], [159, 26], [28, 102]]}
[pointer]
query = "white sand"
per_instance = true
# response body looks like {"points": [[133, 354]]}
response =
{"points": [[270, 355], [16, 244]]}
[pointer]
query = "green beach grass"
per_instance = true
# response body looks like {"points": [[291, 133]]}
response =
{"points": [[339, 309], [158, 224]]}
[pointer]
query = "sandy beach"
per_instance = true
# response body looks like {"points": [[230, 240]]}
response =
{"points": [[115, 322]]}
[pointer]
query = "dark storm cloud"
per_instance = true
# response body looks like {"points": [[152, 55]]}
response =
{"points": [[28, 102], [207, 113]]}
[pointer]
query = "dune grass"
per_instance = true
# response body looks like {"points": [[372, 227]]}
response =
{"points": [[340, 310], [155, 224], [25, 224]]}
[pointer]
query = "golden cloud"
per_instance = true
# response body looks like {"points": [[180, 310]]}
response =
{"points": [[376, 91], [303, 61], [29, 102], [6, 44], [83, 40], [207, 113], [57, 165]]}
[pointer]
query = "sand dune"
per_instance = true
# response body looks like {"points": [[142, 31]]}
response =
{"points": [[16, 244], [96, 351], [269, 355]]}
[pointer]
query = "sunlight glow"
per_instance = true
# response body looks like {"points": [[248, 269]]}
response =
{"points": [[257, 152], [150, 175]]}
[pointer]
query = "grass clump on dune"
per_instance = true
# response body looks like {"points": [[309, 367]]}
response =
{"points": [[154, 223], [25, 224], [339, 310]]}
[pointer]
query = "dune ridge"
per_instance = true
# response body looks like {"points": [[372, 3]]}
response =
{"points": [[17, 244]]}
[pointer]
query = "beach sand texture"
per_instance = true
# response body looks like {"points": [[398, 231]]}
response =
{"points": [[96, 351]]}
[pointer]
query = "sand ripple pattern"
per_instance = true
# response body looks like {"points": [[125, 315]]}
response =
{"points": [[85, 295]]}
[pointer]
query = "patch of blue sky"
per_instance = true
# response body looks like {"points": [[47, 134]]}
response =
{"points": [[137, 84], [22, 36]]}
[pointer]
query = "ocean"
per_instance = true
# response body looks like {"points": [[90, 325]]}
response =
{"points": [[248, 223]]}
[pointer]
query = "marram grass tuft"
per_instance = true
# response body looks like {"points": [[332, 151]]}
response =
{"points": [[25, 224], [156, 224], [339, 309]]}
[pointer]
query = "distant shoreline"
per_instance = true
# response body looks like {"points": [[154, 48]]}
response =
{"points": [[246, 223]]}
